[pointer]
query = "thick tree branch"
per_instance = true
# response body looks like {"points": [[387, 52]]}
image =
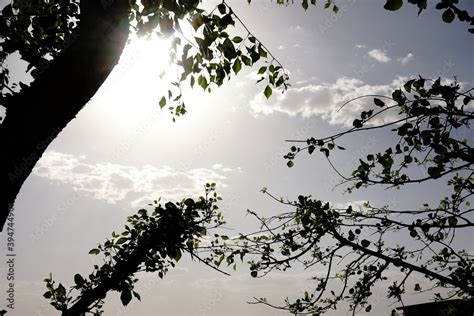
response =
{"points": [[37, 114], [396, 262]]}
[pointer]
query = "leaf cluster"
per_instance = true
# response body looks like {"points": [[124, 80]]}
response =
{"points": [[429, 117], [37, 30], [150, 242], [355, 245], [450, 10], [212, 55]]}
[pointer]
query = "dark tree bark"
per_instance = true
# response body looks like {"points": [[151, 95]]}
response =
{"points": [[37, 114], [120, 272]]}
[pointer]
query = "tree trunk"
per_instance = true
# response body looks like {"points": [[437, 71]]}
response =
{"points": [[37, 114]]}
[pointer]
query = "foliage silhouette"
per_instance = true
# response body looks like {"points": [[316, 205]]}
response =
{"points": [[150, 242], [75, 36], [354, 246], [358, 247], [61, 39], [65, 37]]}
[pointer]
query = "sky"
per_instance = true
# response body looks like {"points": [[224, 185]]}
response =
{"points": [[122, 151]]}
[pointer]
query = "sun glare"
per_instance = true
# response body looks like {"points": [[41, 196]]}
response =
{"points": [[147, 53], [139, 80], [132, 92]]}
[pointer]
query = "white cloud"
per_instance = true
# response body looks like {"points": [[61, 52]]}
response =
{"points": [[220, 167], [253, 75], [113, 183], [324, 100], [240, 84], [405, 60], [360, 46], [217, 166], [379, 55], [306, 81]]}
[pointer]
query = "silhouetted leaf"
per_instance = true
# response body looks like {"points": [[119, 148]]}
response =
{"points": [[267, 92], [357, 123], [94, 251], [121, 240], [162, 102], [137, 296], [79, 280], [304, 4], [237, 66], [237, 39], [393, 5], [379, 102], [126, 297], [448, 16], [222, 8]]}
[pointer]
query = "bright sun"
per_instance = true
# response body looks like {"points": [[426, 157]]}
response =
{"points": [[132, 92], [147, 53], [145, 58], [136, 80]]}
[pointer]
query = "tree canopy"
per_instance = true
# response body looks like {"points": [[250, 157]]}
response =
{"points": [[57, 38], [150, 242], [357, 245]]}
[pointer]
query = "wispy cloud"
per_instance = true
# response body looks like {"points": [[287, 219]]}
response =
{"points": [[220, 167], [379, 55], [360, 46], [405, 60], [113, 183], [324, 100]]}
